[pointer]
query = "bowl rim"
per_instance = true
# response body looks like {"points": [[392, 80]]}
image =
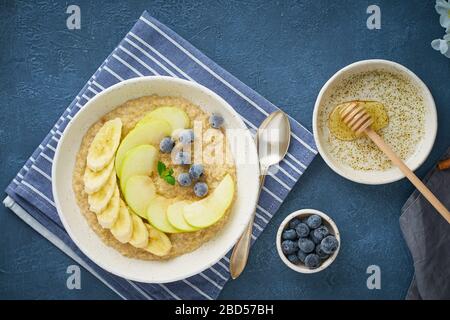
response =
{"points": [[86, 107], [396, 175], [304, 213]]}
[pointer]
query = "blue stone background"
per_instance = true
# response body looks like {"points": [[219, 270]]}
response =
{"points": [[286, 50]]}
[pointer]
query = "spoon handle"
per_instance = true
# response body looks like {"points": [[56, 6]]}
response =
{"points": [[239, 257], [409, 174]]}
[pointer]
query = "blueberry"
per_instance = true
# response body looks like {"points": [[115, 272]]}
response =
{"points": [[294, 222], [329, 244], [302, 230], [289, 247], [320, 233], [196, 171], [312, 261], [301, 255], [313, 238], [182, 157], [216, 120], [200, 189], [186, 136], [306, 245], [293, 258], [184, 179], [166, 145], [322, 255], [314, 221], [289, 234]]}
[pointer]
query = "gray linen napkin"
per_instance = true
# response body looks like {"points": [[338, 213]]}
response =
{"points": [[427, 235]]}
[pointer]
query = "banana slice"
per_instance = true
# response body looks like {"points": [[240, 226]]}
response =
{"points": [[159, 243], [99, 200], [95, 180], [123, 228], [139, 239], [109, 216], [104, 145]]}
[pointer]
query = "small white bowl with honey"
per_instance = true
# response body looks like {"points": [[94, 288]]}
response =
{"points": [[403, 111]]}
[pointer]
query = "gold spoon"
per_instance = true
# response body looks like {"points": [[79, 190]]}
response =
{"points": [[359, 121], [273, 138]]}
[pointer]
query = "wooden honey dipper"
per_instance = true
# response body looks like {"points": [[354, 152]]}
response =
{"points": [[359, 121]]}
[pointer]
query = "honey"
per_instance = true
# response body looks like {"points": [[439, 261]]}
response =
{"points": [[341, 131]]}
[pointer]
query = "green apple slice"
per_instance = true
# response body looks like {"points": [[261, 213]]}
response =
{"points": [[150, 132], [139, 239], [158, 243], [139, 193], [140, 160], [175, 215], [206, 212], [176, 117], [157, 215]]}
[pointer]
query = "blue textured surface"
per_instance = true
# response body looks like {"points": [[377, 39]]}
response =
{"points": [[284, 50]]}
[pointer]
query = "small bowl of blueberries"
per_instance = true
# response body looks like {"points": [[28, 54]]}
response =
{"points": [[308, 241]]}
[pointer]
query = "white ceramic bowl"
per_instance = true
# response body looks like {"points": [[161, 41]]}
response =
{"points": [[302, 214], [75, 223], [422, 149]]}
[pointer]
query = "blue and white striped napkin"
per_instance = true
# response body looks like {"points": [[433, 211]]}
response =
{"points": [[150, 48]]}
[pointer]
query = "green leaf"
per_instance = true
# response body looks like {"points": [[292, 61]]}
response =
{"points": [[161, 168], [170, 180], [166, 173]]}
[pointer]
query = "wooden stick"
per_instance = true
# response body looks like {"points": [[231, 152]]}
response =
{"points": [[409, 174]]}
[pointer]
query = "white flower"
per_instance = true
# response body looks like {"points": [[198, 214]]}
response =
{"points": [[442, 45], [443, 8]]}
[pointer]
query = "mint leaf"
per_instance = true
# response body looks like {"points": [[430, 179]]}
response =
{"points": [[161, 168], [170, 180], [166, 173]]}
